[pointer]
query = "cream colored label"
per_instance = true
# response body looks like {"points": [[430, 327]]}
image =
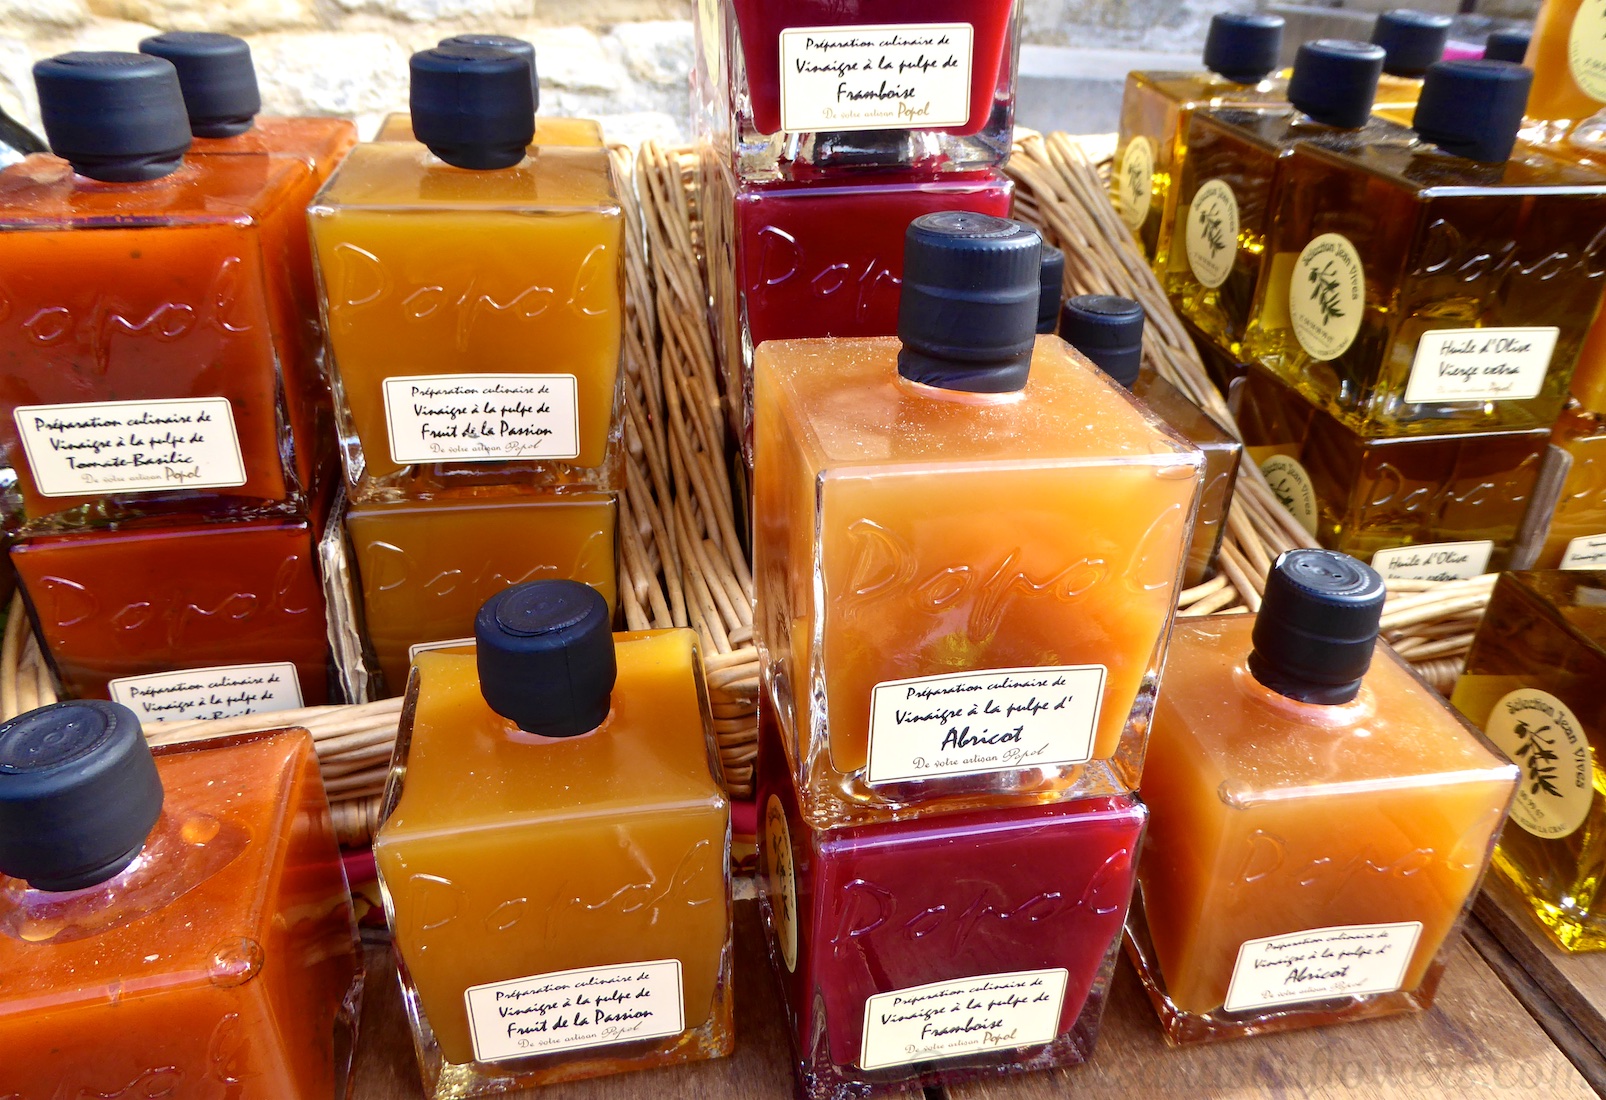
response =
{"points": [[947, 1019], [1588, 552], [970, 723], [108, 447], [1213, 233], [1346, 961], [429, 647], [1438, 561], [573, 1009], [782, 880], [1481, 364], [1586, 49], [1545, 739], [883, 77], [482, 417], [225, 691], [1134, 183], [1327, 296], [1292, 485]]}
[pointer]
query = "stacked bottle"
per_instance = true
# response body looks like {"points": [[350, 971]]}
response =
{"points": [[166, 415], [471, 270]]}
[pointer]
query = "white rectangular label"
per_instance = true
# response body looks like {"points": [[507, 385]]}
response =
{"points": [[482, 417], [1481, 364], [573, 1009], [968, 723], [222, 692], [1438, 561], [1588, 552], [106, 447], [884, 77], [947, 1019], [1348, 961], [425, 647]]}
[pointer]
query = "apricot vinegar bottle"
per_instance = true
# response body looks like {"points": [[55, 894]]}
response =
{"points": [[472, 292], [1254, 913], [177, 925], [968, 544], [555, 852]]}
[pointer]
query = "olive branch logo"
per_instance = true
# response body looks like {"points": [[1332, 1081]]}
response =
{"points": [[1324, 292], [1135, 181], [1535, 754], [1210, 218]]}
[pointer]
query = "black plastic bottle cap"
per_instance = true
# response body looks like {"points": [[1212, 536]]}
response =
{"points": [[1413, 40], [472, 105], [972, 284], [546, 660], [1052, 273], [79, 794], [217, 77], [518, 47], [117, 117], [1244, 46], [1473, 109], [1317, 626], [1335, 81], [1109, 331], [1508, 46]]}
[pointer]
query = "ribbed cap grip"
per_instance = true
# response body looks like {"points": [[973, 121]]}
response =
{"points": [[1109, 331], [1052, 273], [1244, 46], [217, 77], [545, 656], [1335, 81], [1318, 625], [472, 106], [117, 117], [1473, 109]]}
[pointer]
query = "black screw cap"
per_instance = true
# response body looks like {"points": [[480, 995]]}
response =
{"points": [[217, 77], [1244, 46], [1508, 46], [1318, 626], [1473, 109], [472, 106], [1413, 40], [518, 47], [1052, 273], [117, 117], [545, 657], [79, 794], [1109, 331], [1335, 81]]}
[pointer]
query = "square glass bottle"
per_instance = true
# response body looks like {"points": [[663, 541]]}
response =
{"points": [[1444, 286], [1230, 180], [555, 852], [142, 321], [1240, 57], [425, 567], [891, 975], [1533, 683], [967, 545], [173, 926], [1417, 507], [473, 295], [185, 621], [803, 258], [913, 84], [1109, 331], [1255, 913]]}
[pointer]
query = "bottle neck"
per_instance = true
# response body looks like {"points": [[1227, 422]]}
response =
{"points": [[524, 737]]}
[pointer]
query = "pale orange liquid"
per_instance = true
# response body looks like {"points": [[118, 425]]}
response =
{"points": [[573, 132], [1555, 95], [959, 532], [1270, 817], [508, 859]]}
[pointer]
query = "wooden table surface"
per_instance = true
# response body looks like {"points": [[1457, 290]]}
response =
{"points": [[1480, 1040]]}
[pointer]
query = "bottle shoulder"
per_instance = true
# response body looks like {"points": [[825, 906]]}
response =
{"points": [[1429, 173], [402, 176], [42, 193]]}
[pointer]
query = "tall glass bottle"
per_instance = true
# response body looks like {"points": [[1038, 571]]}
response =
{"points": [[1255, 912], [141, 320], [1568, 57], [1240, 55], [555, 853], [1571, 532], [472, 291], [1234, 169], [1109, 331], [1411, 41], [1442, 286], [1533, 683], [967, 544], [174, 926]]}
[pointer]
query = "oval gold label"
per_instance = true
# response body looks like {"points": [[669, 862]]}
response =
{"points": [[1134, 183], [1292, 485], [782, 880], [1586, 49], [1213, 233], [1544, 738], [1326, 296]]}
